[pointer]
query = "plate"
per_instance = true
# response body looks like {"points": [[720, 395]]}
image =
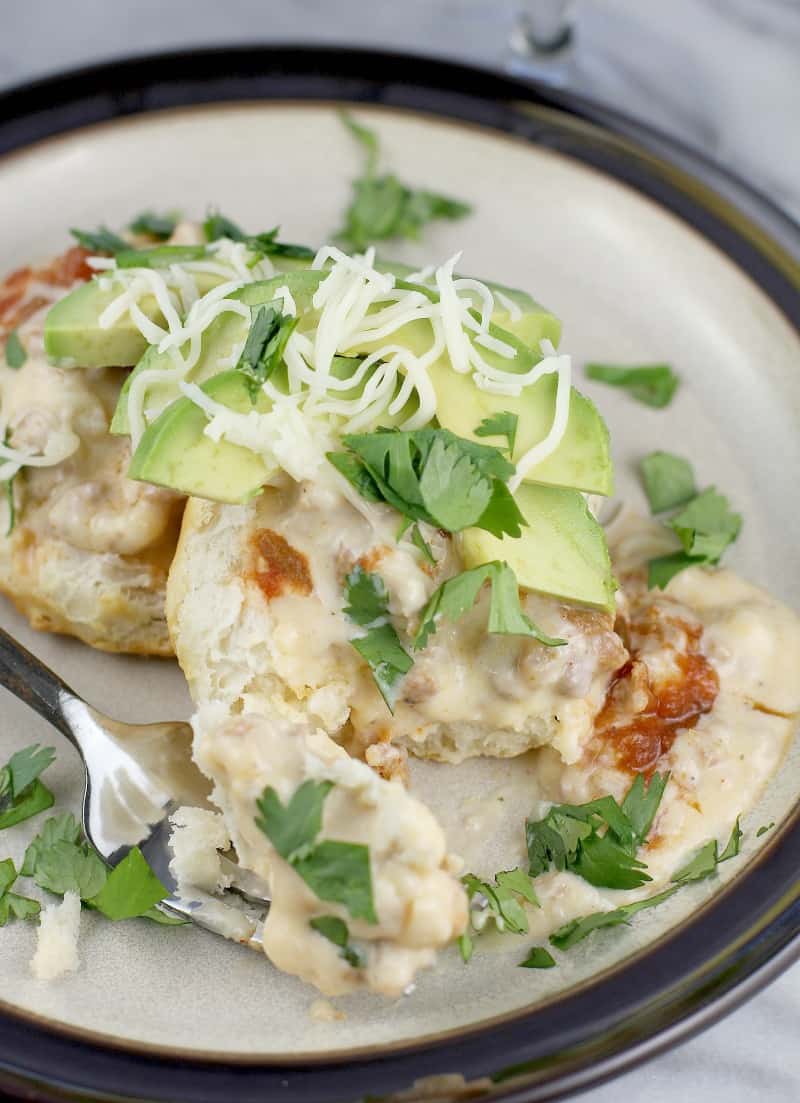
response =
{"points": [[643, 263]]}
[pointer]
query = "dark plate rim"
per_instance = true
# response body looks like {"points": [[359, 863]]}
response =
{"points": [[733, 945]]}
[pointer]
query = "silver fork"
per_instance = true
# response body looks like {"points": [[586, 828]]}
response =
{"points": [[137, 775]]}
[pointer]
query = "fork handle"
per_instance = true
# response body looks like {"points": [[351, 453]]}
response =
{"points": [[34, 683]]}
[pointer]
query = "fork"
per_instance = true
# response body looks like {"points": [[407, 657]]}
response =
{"points": [[136, 776]]}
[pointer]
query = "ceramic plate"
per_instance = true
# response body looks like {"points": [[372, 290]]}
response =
{"points": [[642, 263]]}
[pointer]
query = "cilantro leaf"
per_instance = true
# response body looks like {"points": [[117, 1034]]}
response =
{"points": [[765, 827], [26, 765], [63, 828], [518, 881], [448, 466], [734, 843], [382, 206], [269, 246], [501, 902], [702, 865], [641, 804], [652, 384], [668, 481], [419, 541], [466, 947], [662, 569], [101, 240], [387, 659], [14, 906], [553, 841], [22, 794], [367, 596], [355, 472], [340, 873], [603, 862], [337, 932], [160, 256], [160, 226], [216, 225], [706, 526], [15, 353], [538, 958], [265, 345], [8, 875], [129, 890], [293, 829], [577, 929], [457, 595], [500, 425], [70, 867]]}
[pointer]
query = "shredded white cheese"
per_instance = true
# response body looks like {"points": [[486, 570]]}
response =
{"points": [[57, 942]]}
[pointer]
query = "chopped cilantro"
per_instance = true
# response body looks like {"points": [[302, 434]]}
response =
{"points": [[160, 226], [597, 840], [668, 481], [419, 542], [101, 240], [63, 828], [432, 475], [380, 647], [265, 346], [577, 929], [22, 794], [337, 932], [764, 829], [457, 595], [652, 384], [708, 857], [501, 900], [12, 905], [131, 889], [15, 353], [160, 256], [705, 528], [518, 881], [216, 225], [466, 947], [382, 206], [335, 871], [500, 425], [387, 659], [538, 958], [70, 867]]}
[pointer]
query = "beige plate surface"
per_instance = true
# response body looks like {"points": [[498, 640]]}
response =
{"points": [[631, 283]]}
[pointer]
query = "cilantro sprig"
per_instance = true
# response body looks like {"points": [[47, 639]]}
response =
{"points": [[14, 351], [501, 901], [708, 857], [598, 840], [337, 932], [12, 904], [500, 425], [159, 226], [432, 475], [457, 595], [335, 871], [706, 526], [652, 384], [380, 647], [382, 206], [217, 225], [22, 793], [263, 351], [668, 481], [101, 240], [576, 930]]}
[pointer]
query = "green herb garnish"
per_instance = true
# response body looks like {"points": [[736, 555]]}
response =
{"points": [[597, 840], [503, 898], [217, 226], [160, 256], [12, 905], [382, 206], [500, 425], [337, 932], [265, 345], [22, 794], [708, 857], [335, 871], [457, 595], [14, 352], [131, 889], [668, 481], [764, 829], [577, 929], [160, 226], [432, 475], [56, 829], [705, 528], [101, 240], [466, 947], [652, 384], [368, 606], [538, 958], [419, 542]]}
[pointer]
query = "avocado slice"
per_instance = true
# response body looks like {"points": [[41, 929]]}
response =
{"points": [[174, 451], [218, 341], [562, 552], [72, 329]]}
